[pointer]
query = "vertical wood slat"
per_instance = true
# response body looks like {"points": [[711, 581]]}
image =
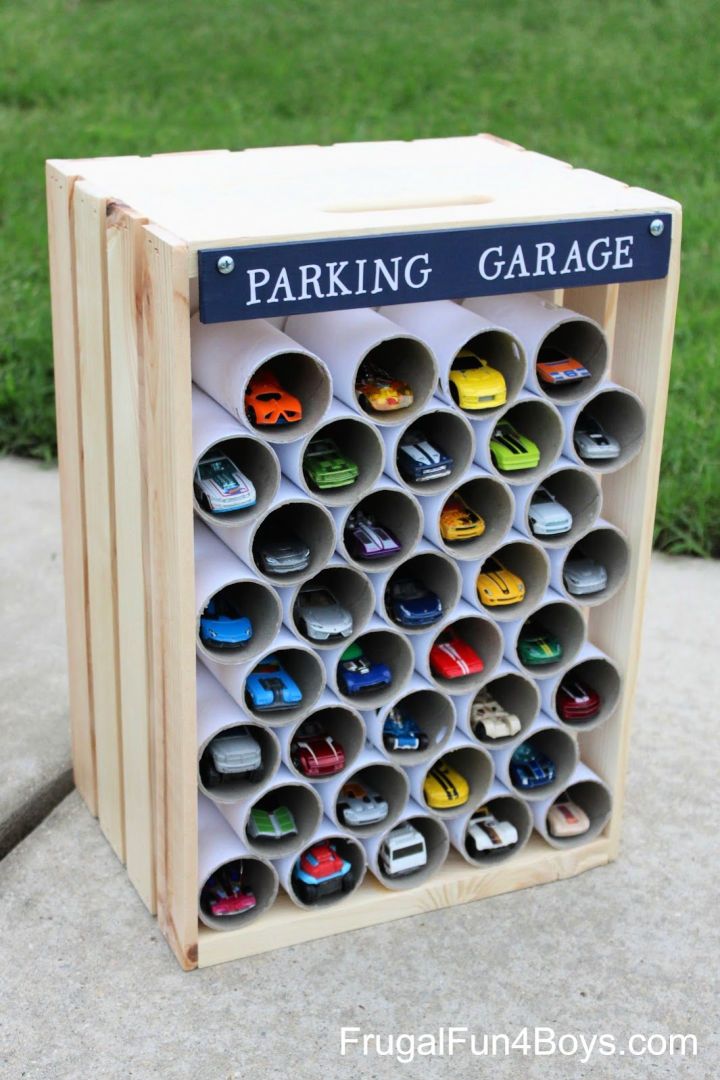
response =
{"points": [[89, 208], [165, 316], [134, 609], [72, 492]]}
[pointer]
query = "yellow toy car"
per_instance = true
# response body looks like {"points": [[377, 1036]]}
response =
{"points": [[497, 586], [445, 788], [458, 521], [474, 384]]}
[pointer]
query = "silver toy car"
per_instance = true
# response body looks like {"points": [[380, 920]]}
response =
{"points": [[360, 804], [230, 754], [592, 441], [220, 486], [547, 516], [489, 720], [284, 556], [583, 576], [403, 851], [320, 615]]}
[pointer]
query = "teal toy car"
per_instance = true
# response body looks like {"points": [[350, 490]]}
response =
{"points": [[326, 467], [537, 646]]}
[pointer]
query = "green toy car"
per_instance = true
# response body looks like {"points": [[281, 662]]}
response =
{"points": [[537, 646], [510, 450], [326, 467]]}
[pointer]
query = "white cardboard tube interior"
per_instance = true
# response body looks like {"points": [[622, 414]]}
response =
{"points": [[431, 709], [490, 498], [350, 587], [563, 619], [479, 631], [294, 515], [215, 431], [591, 794], [344, 725], [471, 761], [574, 488], [545, 735], [520, 556], [225, 356], [284, 790], [428, 567], [621, 414], [381, 645], [515, 691], [346, 338], [607, 546], [437, 845], [591, 668], [372, 771], [448, 431], [390, 506], [218, 846], [348, 848], [506, 806], [536, 419]]}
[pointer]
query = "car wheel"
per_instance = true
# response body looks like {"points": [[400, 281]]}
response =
{"points": [[251, 415], [255, 775], [348, 882], [454, 394]]}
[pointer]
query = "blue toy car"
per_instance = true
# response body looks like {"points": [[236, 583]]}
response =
{"points": [[269, 686], [222, 626], [357, 675], [530, 768], [420, 460], [401, 732], [410, 604], [321, 871]]}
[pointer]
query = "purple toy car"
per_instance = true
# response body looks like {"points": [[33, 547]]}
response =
{"points": [[366, 539]]}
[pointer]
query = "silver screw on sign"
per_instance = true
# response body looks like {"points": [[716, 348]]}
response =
{"points": [[226, 264], [657, 227]]}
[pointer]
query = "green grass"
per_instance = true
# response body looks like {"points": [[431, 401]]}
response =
{"points": [[625, 88]]}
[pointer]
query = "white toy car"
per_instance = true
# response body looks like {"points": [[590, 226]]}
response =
{"points": [[321, 615], [360, 804], [486, 833], [592, 441], [547, 516], [403, 851], [489, 720], [220, 486], [566, 818]]}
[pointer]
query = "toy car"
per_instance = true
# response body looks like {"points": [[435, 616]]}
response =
{"points": [[401, 732], [220, 486], [458, 521], [321, 871], [486, 833], [474, 384], [268, 687], [530, 768], [223, 893], [510, 450], [420, 460], [451, 657], [365, 538], [377, 390], [317, 755], [321, 615], [403, 851], [537, 646], [584, 576], [576, 700], [288, 556], [410, 604], [357, 675], [592, 441], [566, 818], [547, 516], [222, 626], [231, 753], [497, 586], [555, 367], [489, 720], [360, 804], [267, 404], [325, 467], [271, 824], [444, 788]]}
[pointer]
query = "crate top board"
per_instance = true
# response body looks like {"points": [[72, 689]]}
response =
{"points": [[255, 196]]}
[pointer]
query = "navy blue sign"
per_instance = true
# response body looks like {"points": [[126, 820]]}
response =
{"points": [[370, 271]]}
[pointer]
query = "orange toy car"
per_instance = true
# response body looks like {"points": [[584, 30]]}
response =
{"points": [[266, 403], [555, 367]]}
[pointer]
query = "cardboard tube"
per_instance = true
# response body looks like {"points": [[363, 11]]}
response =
{"points": [[381, 645], [350, 587], [563, 619], [218, 713], [283, 790], [538, 420], [490, 498], [472, 761], [225, 356], [344, 724], [620, 413], [448, 328], [520, 556], [297, 659], [348, 848], [219, 572], [429, 567], [515, 691], [478, 630], [506, 806], [448, 431], [606, 545], [214, 430], [356, 438], [595, 670], [218, 846], [345, 339], [591, 794], [538, 323], [545, 735], [388, 505], [574, 488], [374, 771], [431, 709], [434, 833]]}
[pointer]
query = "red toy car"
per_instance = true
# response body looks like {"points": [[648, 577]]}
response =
{"points": [[317, 755], [321, 871], [451, 657], [577, 701], [223, 894], [267, 404]]}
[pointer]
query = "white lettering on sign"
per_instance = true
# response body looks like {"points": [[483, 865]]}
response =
{"points": [[344, 278], [498, 263]]}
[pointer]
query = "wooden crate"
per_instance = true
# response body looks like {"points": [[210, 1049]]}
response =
{"points": [[125, 236]]}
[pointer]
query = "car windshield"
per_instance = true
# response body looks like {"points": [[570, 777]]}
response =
{"points": [[210, 470], [542, 496], [409, 590], [406, 852], [318, 598], [270, 396], [321, 448]]}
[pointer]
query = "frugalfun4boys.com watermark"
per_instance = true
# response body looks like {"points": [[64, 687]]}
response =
{"points": [[448, 1042]]}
